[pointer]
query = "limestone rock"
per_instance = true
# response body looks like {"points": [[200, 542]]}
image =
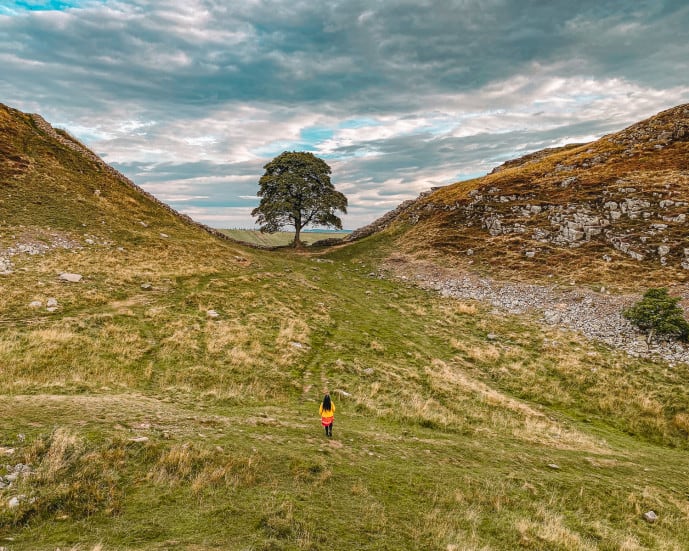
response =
{"points": [[650, 517], [72, 278], [5, 266]]}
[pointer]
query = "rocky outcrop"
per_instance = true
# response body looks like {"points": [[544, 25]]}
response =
{"points": [[644, 225], [666, 127]]}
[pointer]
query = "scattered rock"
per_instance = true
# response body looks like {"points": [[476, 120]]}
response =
{"points": [[51, 303], [13, 502], [342, 393], [6, 451], [295, 344], [146, 286], [551, 317], [369, 371], [554, 466], [212, 314], [164, 235], [73, 278], [89, 241], [139, 439], [5, 266], [491, 336], [595, 315], [35, 304], [650, 517]]}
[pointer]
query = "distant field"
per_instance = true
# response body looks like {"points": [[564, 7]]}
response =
{"points": [[277, 239]]}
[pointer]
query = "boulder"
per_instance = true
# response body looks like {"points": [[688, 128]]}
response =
{"points": [[72, 278], [650, 517]]}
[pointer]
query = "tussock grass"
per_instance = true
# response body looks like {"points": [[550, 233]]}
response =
{"points": [[200, 468]]}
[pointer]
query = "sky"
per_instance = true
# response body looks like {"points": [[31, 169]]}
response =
{"points": [[191, 98]]}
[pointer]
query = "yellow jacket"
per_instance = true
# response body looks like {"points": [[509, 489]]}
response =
{"points": [[328, 412]]}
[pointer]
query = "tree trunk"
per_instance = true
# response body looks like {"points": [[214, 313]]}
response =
{"points": [[297, 242]]}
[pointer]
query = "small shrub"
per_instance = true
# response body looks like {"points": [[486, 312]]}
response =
{"points": [[657, 313]]}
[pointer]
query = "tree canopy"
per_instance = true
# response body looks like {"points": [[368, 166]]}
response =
{"points": [[658, 313], [296, 191]]}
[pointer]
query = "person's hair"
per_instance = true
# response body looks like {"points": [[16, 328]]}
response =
{"points": [[327, 404]]}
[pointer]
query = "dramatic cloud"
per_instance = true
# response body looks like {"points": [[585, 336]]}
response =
{"points": [[190, 99]]}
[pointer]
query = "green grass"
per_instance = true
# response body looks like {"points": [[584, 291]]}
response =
{"points": [[442, 442], [279, 239]]}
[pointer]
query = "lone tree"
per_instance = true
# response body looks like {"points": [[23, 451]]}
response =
{"points": [[296, 191], [658, 313]]}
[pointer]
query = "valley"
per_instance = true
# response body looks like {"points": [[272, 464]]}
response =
{"points": [[168, 397]]}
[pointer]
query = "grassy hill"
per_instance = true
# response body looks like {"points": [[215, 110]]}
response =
{"points": [[610, 212], [169, 400]]}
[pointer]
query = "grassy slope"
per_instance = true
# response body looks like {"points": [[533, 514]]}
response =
{"points": [[432, 449], [443, 440]]}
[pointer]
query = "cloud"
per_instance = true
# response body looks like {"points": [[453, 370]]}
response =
{"points": [[190, 99]]}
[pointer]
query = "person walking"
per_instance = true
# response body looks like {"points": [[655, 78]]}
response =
{"points": [[327, 411]]}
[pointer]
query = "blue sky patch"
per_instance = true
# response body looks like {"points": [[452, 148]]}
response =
{"points": [[358, 123], [315, 134], [18, 6]]}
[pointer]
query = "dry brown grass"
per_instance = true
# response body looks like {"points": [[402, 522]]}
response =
{"points": [[507, 413], [681, 421], [549, 528], [200, 468]]}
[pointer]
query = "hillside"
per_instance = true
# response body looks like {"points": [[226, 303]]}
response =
{"points": [[168, 399], [611, 212]]}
